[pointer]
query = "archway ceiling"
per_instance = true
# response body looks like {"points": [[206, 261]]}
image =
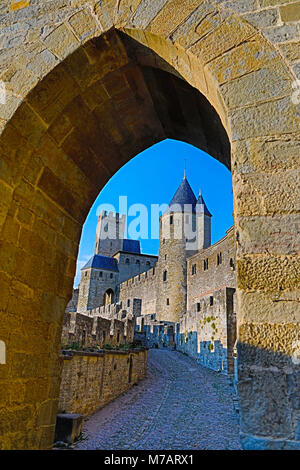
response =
{"points": [[108, 101]]}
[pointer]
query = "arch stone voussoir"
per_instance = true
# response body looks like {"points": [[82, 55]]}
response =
{"points": [[88, 86]]}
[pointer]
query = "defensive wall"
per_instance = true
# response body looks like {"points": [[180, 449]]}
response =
{"points": [[92, 380]]}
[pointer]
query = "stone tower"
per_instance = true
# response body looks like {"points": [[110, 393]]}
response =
{"points": [[203, 217], [110, 233], [99, 278], [184, 229]]}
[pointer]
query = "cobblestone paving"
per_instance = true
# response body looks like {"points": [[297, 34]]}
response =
{"points": [[180, 405]]}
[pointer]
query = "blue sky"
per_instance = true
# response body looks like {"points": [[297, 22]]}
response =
{"points": [[152, 177]]}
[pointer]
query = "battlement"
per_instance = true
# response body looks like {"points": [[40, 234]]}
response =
{"points": [[89, 331], [112, 215], [139, 278]]}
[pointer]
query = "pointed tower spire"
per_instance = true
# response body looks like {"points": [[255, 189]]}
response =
{"points": [[201, 206], [184, 175]]}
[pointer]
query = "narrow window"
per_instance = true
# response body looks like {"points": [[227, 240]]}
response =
{"points": [[147, 263], [137, 261], [111, 275], [128, 303], [127, 261], [168, 302], [198, 307], [194, 269], [165, 275], [171, 219], [164, 240], [118, 337], [100, 274], [211, 300], [205, 264]]}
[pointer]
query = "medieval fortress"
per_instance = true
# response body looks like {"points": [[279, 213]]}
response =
{"points": [[184, 298]]}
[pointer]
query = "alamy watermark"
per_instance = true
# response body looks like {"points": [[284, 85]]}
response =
{"points": [[178, 222]]}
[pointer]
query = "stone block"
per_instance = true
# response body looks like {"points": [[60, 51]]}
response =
{"points": [[84, 24], [268, 273], [257, 86], [282, 33], [291, 50], [264, 18], [146, 11], [61, 41], [290, 13], [266, 119], [248, 57], [68, 427], [228, 35], [171, 16]]}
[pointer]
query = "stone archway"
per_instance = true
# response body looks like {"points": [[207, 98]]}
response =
{"points": [[121, 92]]}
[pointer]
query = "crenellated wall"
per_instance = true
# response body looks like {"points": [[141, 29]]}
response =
{"points": [[96, 331]]}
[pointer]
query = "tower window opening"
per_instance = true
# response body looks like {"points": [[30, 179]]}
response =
{"points": [[171, 219], [138, 261], [211, 300], [205, 264], [219, 258], [127, 261], [111, 275], [164, 241], [165, 275], [100, 274], [194, 269], [198, 307], [168, 302], [148, 263], [128, 303]]}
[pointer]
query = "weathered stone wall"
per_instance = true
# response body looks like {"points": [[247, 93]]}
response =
{"points": [[143, 287], [95, 331], [244, 63], [92, 380], [208, 333], [217, 275]]}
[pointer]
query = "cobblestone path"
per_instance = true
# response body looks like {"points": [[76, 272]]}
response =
{"points": [[180, 405]]}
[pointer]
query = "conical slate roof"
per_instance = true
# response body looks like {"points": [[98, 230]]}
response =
{"points": [[201, 206], [183, 196]]}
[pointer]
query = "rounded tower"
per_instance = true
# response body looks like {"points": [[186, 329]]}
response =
{"points": [[184, 229], [176, 227]]}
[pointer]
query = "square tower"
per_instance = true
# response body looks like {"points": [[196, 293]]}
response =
{"points": [[110, 233]]}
